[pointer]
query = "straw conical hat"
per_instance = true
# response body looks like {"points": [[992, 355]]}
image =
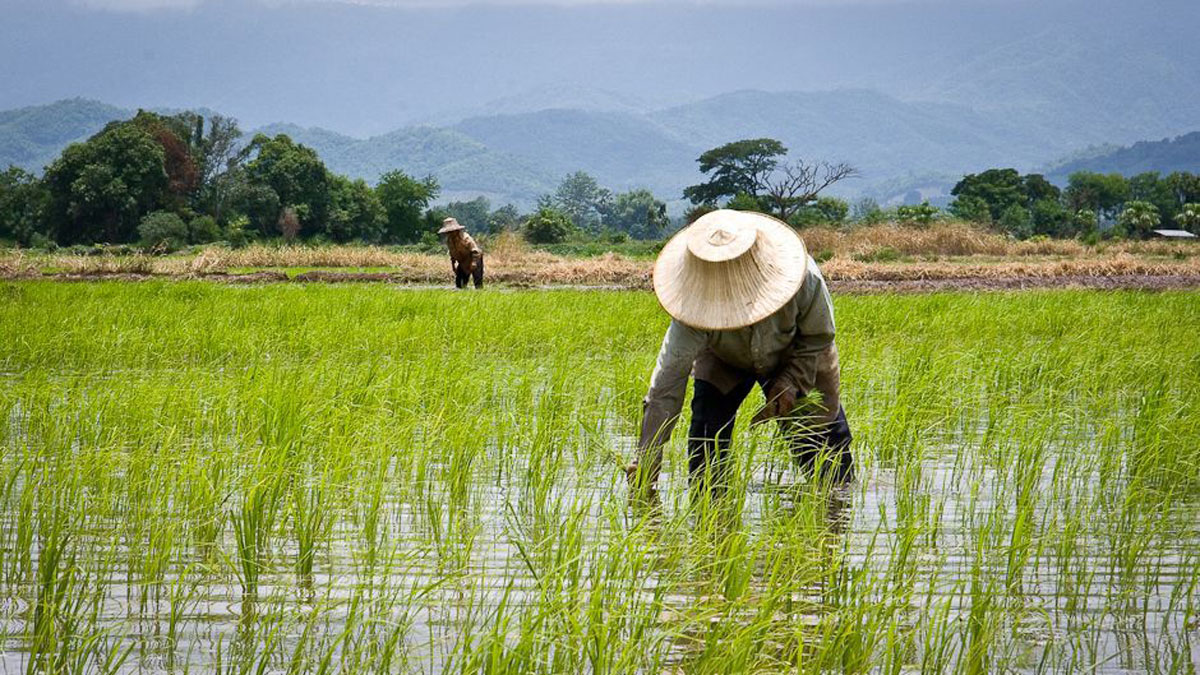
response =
{"points": [[729, 269], [450, 225]]}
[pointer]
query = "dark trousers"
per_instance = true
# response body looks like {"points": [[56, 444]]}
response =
{"points": [[711, 431], [462, 277]]}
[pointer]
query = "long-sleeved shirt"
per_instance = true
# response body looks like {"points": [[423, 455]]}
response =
{"points": [[794, 344], [464, 252]]}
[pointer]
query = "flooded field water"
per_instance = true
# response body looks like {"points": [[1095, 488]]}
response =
{"points": [[201, 479]]}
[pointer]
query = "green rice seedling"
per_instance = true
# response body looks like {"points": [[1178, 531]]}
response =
{"points": [[450, 493]]}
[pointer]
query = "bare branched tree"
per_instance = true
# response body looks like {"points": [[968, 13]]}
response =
{"points": [[798, 183]]}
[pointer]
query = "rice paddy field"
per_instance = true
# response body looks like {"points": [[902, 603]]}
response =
{"points": [[325, 478]]}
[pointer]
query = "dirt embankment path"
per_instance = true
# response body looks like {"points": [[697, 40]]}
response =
{"points": [[864, 284]]}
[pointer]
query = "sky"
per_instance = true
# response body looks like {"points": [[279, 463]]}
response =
{"points": [[362, 68]]}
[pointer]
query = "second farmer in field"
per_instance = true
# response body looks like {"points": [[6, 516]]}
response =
{"points": [[748, 306], [466, 258]]}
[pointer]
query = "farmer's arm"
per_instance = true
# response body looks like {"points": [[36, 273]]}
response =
{"points": [[813, 361], [664, 400]]}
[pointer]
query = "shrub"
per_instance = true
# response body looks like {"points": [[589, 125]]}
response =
{"points": [[163, 230], [203, 229], [917, 214], [547, 226]]}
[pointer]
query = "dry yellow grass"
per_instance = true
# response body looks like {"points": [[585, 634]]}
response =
{"points": [[944, 251]]}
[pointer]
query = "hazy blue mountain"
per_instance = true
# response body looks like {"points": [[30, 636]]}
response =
{"points": [[622, 150], [462, 165], [1170, 154], [34, 136]]}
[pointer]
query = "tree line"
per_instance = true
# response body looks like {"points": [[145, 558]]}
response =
{"points": [[166, 181]]}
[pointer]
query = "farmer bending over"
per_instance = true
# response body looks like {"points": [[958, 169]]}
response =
{"points": [[748, 305], [466, 258]]}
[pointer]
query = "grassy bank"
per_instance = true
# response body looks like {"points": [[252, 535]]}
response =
{"points": [[876, 253], [302, 478]]}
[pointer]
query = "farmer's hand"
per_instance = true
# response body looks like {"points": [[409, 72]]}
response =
{"points": [[781, 400]]}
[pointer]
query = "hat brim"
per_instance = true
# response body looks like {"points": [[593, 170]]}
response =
{"points": [[735, 293], [451, 228]]}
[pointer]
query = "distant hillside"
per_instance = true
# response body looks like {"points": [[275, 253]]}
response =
{"points": [[1168, 155], [33, 137], [904, 150], [463, 166]]}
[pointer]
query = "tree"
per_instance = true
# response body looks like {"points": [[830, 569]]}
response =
{"points": [[1139, 219], [1016, 221], [259, 204], [917, 214], [404, 198], [799, 183], [23, 201], [1185, 186], [163, 230], [825, 211], [582, 199], [219, 156], [296, 174], [638, 214], [355, 212], [738, 167], [1150, 187], [1101, 193], [972, 208], [506, 217], [1189, 218], [472, 215], [547, 226], [999, 189], [1051, 218], [100, 189]]}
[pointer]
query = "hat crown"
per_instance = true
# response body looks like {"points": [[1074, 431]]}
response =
{"points": [[722, 236]]}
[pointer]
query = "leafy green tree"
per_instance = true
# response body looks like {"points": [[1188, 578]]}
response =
{"points": [[917, 214], [1016, 221], [1038, 189], [999, 189], [296, 174], [219, 155], [163, 230], [472, 215], [404, 198], [740, 167], [1139, 219], [203, 229], [825, 211], [583, 200], [100, 189], [23, 200], [1085, 221], [638, 214], [971, 208], [1150, 187], [1189, 218], [355, 212], [547, 226], [1051, 218], [1185, 186], [506, 217], [260, 205], [1102, 193], [744, 201]]}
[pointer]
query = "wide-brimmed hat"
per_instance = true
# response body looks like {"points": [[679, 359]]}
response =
{"points": [[729, 269], [450, 225]]}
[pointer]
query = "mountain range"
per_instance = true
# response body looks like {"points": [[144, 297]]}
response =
{"points": [[897, 146]]}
